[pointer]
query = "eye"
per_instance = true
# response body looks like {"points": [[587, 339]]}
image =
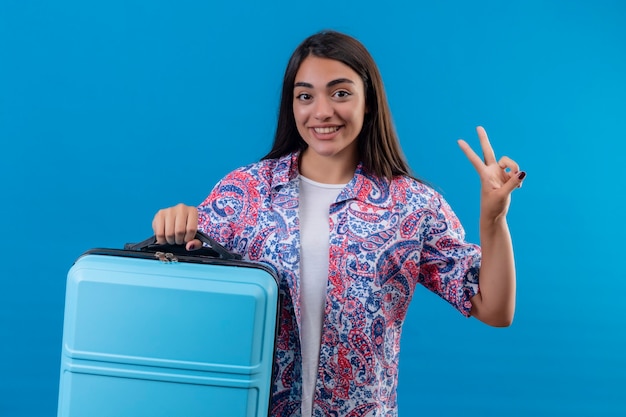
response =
{"points": [[303, 97], [342, 94]]}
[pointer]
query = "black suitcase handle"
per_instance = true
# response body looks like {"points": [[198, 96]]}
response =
{"points": [[151, 245]]}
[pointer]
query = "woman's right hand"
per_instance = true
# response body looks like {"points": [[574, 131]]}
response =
{"points": [[177, 225]]}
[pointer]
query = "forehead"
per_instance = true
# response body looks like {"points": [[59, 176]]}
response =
{"points": [[320, 71]]}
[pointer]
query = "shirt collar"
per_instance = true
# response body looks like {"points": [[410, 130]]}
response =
{"points": [[363, 187]]}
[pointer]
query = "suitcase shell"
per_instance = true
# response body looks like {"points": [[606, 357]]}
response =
{"points": [[161, 336]]}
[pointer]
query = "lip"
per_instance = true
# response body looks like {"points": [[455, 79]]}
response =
{"points": [[324, 136]]}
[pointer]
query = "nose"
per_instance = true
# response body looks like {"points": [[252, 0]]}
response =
{"points": [[323, 108]]}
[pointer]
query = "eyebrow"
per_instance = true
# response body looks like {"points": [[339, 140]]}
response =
{"points": [[330, 83]]}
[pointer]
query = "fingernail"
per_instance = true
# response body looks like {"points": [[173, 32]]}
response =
{"points": [[521, 175], [191, 247]]}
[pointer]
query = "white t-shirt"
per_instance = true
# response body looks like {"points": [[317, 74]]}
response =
{"points": [[315, 201]]}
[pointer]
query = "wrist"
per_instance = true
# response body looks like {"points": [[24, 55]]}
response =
{"points": [[492, 224]]}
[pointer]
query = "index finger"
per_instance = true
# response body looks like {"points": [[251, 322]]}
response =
{"points": [[488, 155], [192, 225]]}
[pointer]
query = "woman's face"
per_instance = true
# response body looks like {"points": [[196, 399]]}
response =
{"points": [[328, 107]]}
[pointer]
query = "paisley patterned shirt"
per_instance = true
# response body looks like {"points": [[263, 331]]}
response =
{"points": [[385, 238]]}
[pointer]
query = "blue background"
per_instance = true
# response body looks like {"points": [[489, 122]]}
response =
{"points": [[112, 109]]}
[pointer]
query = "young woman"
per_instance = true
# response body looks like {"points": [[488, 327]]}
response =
{"points": [[334, 209]]}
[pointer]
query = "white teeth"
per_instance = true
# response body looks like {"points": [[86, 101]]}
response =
{"points": [[326, 129]]}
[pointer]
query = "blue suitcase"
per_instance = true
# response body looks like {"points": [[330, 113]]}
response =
{"points": [[152, 330]]}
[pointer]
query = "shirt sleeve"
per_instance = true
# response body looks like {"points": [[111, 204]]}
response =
{"points": [[224, 214], [448, 264]]}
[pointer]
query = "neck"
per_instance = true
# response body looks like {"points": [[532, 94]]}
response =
{"points": [[327, 170]]}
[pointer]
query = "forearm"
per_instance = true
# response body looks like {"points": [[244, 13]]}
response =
{"points": [[495, 304]]}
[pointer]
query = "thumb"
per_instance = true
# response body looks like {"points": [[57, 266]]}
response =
{"points": [[515, 181], [193, 245]]}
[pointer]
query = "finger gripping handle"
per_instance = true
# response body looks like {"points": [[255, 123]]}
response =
{"points": [[150, 244]]}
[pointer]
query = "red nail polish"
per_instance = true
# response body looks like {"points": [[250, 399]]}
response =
{"points": [[521, 175]]}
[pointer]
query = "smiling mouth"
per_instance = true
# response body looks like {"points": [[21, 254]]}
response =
{"points": [[326, 130]]}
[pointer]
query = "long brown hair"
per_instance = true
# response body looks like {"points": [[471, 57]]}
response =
{"points": [[378, 145]]}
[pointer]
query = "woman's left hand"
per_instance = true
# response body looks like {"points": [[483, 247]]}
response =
{"points": [[498, 178]]}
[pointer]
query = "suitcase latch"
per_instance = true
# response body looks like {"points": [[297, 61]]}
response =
{"points": [[166, 257]]}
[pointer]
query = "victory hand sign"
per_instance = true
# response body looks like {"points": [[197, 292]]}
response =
{"points": [[495, 302], [498, 178]]}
